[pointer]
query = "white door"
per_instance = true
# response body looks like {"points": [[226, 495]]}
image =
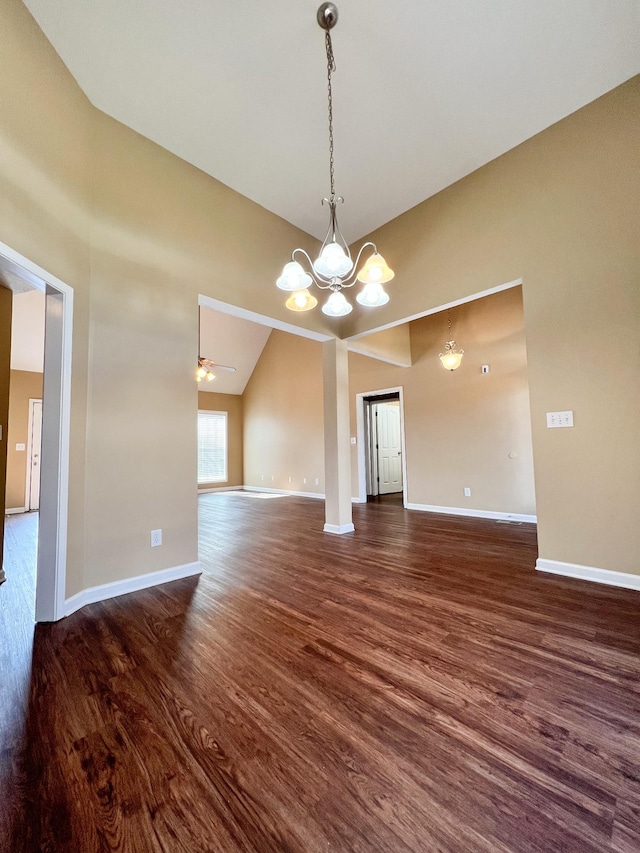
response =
{"points": [[389, 450], [33, 458]]}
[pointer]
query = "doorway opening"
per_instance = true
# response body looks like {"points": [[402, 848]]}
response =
{"points": [[381, 457], [44, 478]]}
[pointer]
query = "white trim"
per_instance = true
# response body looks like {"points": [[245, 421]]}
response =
{"points": [[473, 513], [315, 495], [261, 319], [589, 573], [361, 443], [220, 489], [15, 510], [124, 587], [52, 563], [500, 287], [357, 501], [339, 529]]}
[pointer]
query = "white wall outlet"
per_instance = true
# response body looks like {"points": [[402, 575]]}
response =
{"points": [[559, 419], [467, 492], [273, 477], [289, 479], [485, 368], [263, 476], [156, 538], [304, 480], [317, 482], [353, 439], [21, 446]]}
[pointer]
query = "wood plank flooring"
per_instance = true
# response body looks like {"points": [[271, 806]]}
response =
{"points": [[416, 686]]}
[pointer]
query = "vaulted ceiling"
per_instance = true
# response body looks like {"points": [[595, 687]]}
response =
{"points": [[426, 91]]}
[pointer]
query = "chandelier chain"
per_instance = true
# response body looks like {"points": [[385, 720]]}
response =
{"points": [[331, 67], [449, 319]]}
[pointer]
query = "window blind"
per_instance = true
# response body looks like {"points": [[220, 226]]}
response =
{"points": [[212, 447]]}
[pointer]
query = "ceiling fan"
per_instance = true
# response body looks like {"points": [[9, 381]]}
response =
{"points": [[206, 369], [206, 366]]}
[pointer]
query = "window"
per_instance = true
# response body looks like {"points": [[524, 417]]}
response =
{"points": [[212, 447]]}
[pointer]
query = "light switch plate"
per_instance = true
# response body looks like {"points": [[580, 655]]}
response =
{"points": [[559, 419], [21, 446]]}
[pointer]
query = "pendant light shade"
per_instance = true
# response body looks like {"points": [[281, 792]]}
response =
{"points": [[336, 305], [301, 300], [375, 271], [333, 261], [372, 295], [294, 277], [451, 358]]}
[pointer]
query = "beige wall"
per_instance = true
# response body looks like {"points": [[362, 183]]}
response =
{"points": [[232, 404], [561, 212], [25, 385], [460, 426], [283, 417], [138, 234], [5, 370]]}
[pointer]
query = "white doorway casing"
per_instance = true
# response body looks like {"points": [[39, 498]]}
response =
{"points": [[56, 410], [361, 440]]}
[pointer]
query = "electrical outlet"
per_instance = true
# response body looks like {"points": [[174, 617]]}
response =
{"points": [[156, 538], [273, 477], [289, 479], [317, 482], [304, 480], [467, 492], [485, 368]]}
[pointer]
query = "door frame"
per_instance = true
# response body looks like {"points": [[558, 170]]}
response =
{"points": [[362, 444], [56, 426], [27, 487]]}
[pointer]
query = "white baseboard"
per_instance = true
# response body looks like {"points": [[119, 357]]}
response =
{"points": [[220, 489], [111, 590], [283, 492], [339, 529], [589, 573], [474, 513], [14, 510]]}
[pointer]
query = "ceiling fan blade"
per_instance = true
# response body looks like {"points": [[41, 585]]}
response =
{"points": [[215, 366]]}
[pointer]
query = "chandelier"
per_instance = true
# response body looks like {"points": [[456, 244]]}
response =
{"points": [[451, 358], [334, 269]]}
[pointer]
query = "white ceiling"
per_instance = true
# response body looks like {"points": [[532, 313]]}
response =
{"points": [[425, 91], [234, 342]]}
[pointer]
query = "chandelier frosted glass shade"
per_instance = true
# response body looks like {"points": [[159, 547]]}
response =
{"points": [[372, 295], [294, 277], [336, 305], [301, 300], [376, 271], [333, 262]]}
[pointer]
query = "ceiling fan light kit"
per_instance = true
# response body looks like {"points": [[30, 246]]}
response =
{"points": [[334, 268]]}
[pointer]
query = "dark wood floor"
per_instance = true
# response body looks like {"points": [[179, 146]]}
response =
{"points": [[416, 686]]}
